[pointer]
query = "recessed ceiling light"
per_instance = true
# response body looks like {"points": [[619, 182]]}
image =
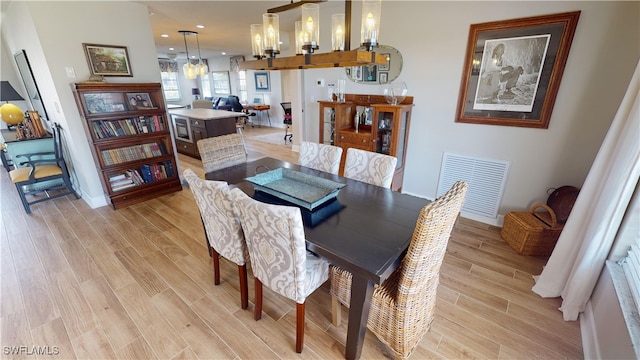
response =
{"points": [[164, 35], [200, 26], [224, 53], [171, 49]]}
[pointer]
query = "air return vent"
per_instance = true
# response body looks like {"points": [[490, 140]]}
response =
{"points": [[485, 179]]}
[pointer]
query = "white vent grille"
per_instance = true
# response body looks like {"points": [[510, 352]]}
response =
{"points": [[485, 179]]}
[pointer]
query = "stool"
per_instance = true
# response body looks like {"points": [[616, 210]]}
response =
{"points": [[531, 232]]}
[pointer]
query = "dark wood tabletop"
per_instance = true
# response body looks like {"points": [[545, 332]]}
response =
{"points": [[365, 230]]}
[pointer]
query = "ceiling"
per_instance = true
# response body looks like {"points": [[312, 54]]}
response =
{"points": [[226, 24]]}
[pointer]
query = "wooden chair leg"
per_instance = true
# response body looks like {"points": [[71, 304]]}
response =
{"points": [[299, 327], [257, 315], [216, 266], [244, 289], [336, 311]]}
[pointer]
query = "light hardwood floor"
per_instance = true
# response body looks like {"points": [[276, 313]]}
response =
{"points": [[137, 283]]}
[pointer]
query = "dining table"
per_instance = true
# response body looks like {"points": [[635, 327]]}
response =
{"points": [[365, 229]]}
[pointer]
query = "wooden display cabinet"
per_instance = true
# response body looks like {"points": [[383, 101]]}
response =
{"points": [[368, 122], [128, 129]]}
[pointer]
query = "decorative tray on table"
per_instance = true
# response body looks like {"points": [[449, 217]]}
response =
{"points": [[301, 189]]}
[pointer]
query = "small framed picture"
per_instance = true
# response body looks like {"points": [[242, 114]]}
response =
{"points": [[107, 60], [262, 81], [384, 76], [139, 101]]}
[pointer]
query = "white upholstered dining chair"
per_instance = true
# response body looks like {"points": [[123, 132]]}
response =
{"points": [[403, 306], [222, 151], [221, 227], [321, 157], [370, 167], [279, 259]]}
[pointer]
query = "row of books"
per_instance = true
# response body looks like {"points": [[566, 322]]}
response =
{"points": [[132, 153], [147, 173], [132, 126]]}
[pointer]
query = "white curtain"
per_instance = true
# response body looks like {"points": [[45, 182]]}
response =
{"points": [[579, 256]]}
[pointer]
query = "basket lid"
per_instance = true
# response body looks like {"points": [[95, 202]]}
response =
{"points": [[561, 201]]}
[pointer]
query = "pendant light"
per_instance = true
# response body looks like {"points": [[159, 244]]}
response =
{"points": [[188, 69], [201, 68]]}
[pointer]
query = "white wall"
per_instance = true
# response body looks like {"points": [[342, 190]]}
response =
{"points": [[52, 34], [432, 37]]}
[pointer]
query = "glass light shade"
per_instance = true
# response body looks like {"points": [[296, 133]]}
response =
{"points": [[299, 37], [189, 70], [271, 34], [370, 30], [337, 32], [395, 93], [202, 68], [11, 114], [311, 26], [256, 40]]}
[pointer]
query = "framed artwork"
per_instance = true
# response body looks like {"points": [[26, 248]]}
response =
{"points": [[139, 101], [107, 60], [384, 76], [513, 68], [262, 81], [99, 103], [221, 83]]}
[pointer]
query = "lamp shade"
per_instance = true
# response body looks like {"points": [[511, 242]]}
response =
{"points": [[8, 93], [271, 34], [370, 30]]}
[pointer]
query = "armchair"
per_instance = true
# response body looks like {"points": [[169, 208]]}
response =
{"points": [[42, 172]]}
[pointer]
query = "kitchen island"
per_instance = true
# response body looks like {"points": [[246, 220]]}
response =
{"points": [[191, 125]]}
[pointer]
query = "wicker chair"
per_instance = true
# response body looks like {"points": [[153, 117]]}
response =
{"points": [[370, 167], [279, 259], [403, 307], [320, 156], [222, 151], [222, 228]]}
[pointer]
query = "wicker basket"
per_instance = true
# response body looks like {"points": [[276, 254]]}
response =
{"points": [[531, 232]]}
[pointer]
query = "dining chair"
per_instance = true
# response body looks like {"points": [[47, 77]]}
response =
{"points": [[321, 157], [222, 228], [42, 172], [403, 306], [370, 167], [279, 259], [222, 151]]}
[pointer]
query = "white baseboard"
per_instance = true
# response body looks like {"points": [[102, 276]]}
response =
{"points": [[483, 219], [587, 331], [94, 202]]}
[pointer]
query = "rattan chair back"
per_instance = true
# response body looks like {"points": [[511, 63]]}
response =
{"points": [[403, 307], [222, 151]]}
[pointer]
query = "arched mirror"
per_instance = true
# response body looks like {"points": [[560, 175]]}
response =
{"points": [[378, 74]]}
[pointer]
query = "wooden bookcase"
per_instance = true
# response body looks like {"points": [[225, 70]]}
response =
{"points": [[128, 128], [383, 128]]}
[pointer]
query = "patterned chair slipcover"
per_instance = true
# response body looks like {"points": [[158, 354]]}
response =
{"points": [[279, 259], [370, 167], [403, 306], [222, 151], [222, 227], [320, 156]]}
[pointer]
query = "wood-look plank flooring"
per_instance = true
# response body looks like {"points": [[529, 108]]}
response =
{"points": [[137, 283]]}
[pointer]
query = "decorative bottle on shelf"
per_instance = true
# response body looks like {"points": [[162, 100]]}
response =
{"points": [[356, 120]]}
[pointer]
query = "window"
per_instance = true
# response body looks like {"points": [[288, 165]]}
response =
{"points": [[170, 86], [206, 86], [169, 75], [242, 86]]}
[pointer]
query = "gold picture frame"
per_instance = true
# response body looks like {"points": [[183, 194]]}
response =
{"points": [[108, 60]]}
